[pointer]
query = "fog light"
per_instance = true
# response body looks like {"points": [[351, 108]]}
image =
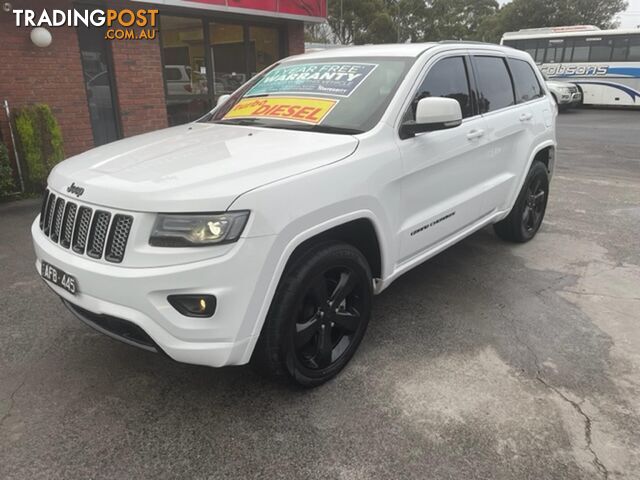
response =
{"points": [[193, 305]]}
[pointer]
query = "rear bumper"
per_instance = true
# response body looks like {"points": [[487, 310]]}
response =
{"points": [[111, 294]]}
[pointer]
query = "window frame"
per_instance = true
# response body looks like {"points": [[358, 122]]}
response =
{"points": [[423, 76], [206, 20], [543, 92], [475, 74]]}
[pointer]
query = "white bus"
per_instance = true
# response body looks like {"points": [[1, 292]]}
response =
{"points": [[605, 64]]}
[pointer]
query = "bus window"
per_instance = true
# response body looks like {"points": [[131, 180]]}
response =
{"points": [[540, 51], [580, 51], [600, 50], [620, 49], [529, 46], [554, 51], [568, 50], [634, 49]]}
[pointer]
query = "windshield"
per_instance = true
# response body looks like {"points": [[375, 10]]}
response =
{"points": [[340, 95]]}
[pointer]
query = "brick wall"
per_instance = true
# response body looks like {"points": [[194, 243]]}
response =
{"points": [[51, 75], [295, 38], [139, 82]]}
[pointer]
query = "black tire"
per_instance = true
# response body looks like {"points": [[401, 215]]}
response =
{"points": [[310, 334], [524, 220]]}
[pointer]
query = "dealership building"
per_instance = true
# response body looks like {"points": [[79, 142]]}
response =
{"points": [[101, 90]]}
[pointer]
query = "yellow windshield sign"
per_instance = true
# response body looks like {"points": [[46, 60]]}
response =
{"points": [[298, 109]]}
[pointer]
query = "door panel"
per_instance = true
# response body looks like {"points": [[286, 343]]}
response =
{"points": [[442, 170], [443, 176]]}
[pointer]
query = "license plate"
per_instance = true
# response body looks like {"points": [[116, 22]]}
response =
{"points": [[59, 278]]}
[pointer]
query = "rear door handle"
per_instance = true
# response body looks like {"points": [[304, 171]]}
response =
{"points": [[525, 117], [473, 134]]}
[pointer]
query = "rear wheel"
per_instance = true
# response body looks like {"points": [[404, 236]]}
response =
{"points": [[318, 316], [524, 220]]}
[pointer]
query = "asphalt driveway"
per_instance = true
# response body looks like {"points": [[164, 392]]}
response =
{"points": [[491, 361]]}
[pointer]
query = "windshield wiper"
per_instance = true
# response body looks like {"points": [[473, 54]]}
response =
{"points": [[247, 122]]}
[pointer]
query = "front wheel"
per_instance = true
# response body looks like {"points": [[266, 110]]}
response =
{"points": [[318, 315], [524, 220]]}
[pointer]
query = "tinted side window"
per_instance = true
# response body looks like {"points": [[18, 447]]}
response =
{"points": [[172, 73], [447, 78], [580, 51], [525, 80], [600, 50], [554, 51], [634, 49], [620, 49], [494, 82]]}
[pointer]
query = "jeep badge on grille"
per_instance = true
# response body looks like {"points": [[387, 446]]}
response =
{"points": [[75, 190]]}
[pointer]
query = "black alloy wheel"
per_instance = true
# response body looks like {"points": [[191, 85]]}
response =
{"points": [[527, 214], [318, 315], [328, 318]]}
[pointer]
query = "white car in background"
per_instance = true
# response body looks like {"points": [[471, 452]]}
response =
{"points": [[261, 232], [567, 95]]}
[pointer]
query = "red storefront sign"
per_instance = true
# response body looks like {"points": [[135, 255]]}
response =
{"points": [[307, 10]]}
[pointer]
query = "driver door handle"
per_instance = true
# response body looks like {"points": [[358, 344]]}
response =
{"points": [[525, 117], [473, 134]]}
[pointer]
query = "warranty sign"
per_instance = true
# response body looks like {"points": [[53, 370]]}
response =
{"points": [[307, 110], [334, 79]]}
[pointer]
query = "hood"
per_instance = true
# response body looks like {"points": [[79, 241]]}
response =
{"points": [[194, 167]]}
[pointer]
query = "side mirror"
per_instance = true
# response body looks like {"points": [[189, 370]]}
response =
{"points": [[433, 113], [222, 99]]}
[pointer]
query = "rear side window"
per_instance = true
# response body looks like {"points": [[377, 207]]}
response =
{"points": [[447, 78], [526, 83], [494, 83]]}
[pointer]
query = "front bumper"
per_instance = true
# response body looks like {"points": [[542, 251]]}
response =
{"points": [[139, 296], [570, 98]]}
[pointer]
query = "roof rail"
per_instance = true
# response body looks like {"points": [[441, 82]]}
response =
{"points": [[465, 41]]}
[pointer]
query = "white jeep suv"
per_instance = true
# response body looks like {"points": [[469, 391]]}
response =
{"points": [[262, 231]]}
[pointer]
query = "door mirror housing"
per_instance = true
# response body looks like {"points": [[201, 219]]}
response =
{"points": [[433, 113], [222, 99]]}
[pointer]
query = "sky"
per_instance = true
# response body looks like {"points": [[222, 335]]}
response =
{"points": [[628, 19]]}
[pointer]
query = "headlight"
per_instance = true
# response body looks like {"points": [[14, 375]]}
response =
{"points": [[193, 230]]}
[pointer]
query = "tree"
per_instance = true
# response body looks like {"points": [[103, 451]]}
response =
{"points": [[384, 21], [521, 14]]}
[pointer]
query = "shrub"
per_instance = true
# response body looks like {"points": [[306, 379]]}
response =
{"points": [[39, 143], [6, 174]]}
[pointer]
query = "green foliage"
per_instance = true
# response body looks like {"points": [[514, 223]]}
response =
{"points": [[39, 143], [383, 21], [6, 174]]}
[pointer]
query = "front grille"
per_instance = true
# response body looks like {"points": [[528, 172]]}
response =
{"points": [[84, 230]]}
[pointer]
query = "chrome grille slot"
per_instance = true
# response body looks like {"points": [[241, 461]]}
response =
{"points": [[67, 224], [118, 237], [43, 209], [82, 230], [51, 202], [98, 233], [56, 221]]}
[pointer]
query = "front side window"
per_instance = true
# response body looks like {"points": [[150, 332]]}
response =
{"points": [[525, 80], [447, 78], [494, 83], [340, 95]]}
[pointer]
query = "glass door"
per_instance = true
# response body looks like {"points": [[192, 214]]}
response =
{"points": [[98, 78]]}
